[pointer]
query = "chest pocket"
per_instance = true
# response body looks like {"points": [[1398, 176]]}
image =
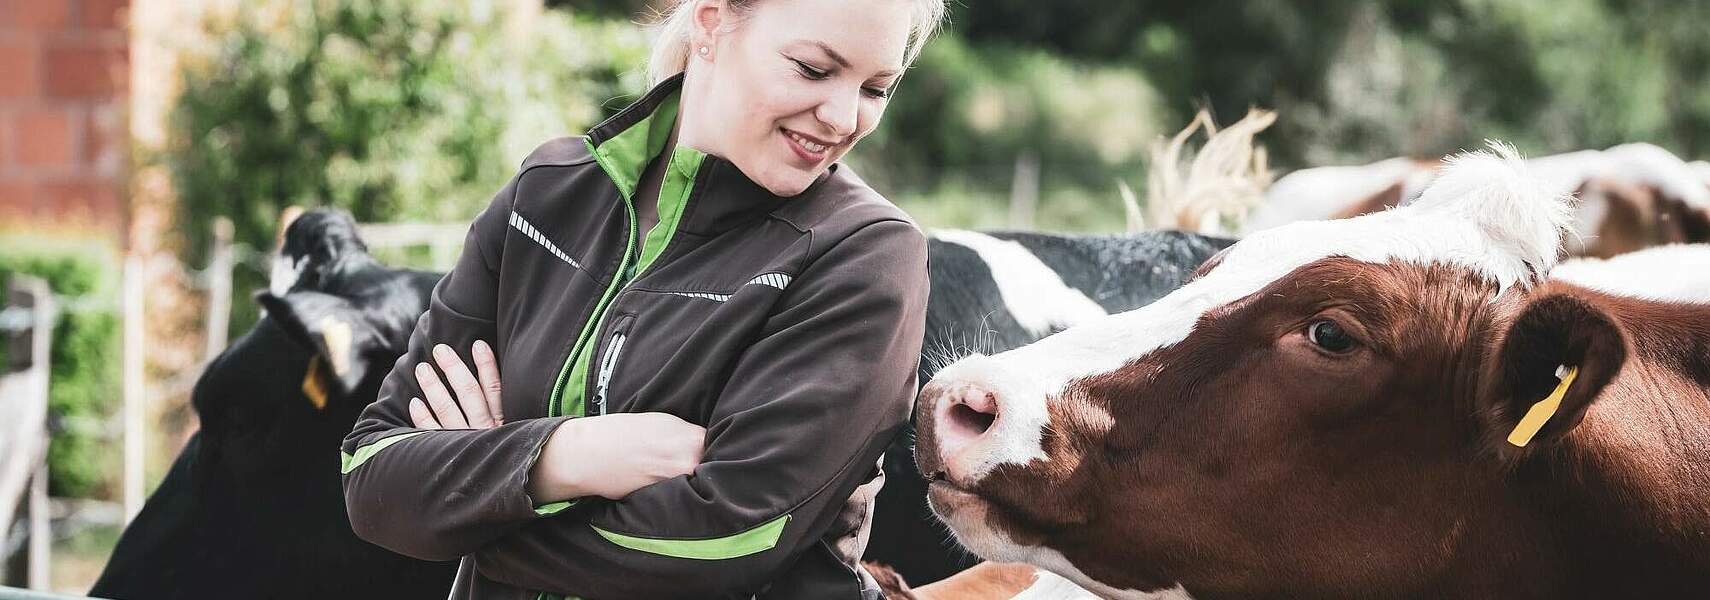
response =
{"points": [[674, 351], [609, 362]]}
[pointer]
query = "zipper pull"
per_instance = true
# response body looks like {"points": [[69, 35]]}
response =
{"points": [[606, 367]]}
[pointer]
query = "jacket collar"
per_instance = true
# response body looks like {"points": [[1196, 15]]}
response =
{"points": [[721, 196]]}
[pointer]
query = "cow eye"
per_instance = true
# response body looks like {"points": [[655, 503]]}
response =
{"points": [[1329, 336]]}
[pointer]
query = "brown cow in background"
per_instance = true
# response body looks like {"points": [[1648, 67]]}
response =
{"points": [[1632, 196], [1620, 217]]}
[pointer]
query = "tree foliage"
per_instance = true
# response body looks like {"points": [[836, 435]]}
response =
{"points": [[390, 109]]}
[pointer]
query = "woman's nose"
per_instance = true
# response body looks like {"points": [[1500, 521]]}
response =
{"points": [[840, 113]]}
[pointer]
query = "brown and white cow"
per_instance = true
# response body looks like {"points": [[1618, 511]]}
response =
{"points": [[1339, 192], [1325, 411], [1633, 196]]}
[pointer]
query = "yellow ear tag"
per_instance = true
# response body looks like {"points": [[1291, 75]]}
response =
{"points": [[336, 335], [313, 386], [1541, 412]]}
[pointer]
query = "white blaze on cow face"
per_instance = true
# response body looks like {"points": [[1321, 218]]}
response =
{"points": [[1483, 214], [1033, 293]]}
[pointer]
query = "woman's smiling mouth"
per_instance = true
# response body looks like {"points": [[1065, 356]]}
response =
{"points": [[809, 149]]}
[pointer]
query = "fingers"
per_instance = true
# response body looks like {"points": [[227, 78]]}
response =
{"points": [[487, 370], [420, 416], [468, 392], [444, 408]]}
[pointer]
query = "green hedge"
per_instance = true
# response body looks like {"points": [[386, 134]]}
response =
{"points": [[84, 377], [395, 110]]}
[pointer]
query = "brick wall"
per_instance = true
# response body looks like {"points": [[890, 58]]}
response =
{"points": [[63, 93]]}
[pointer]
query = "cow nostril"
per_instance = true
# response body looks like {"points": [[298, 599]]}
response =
{"points": [[973, 421]]}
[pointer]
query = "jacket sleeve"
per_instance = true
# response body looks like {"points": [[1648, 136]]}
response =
{"points": [[809, 408], [440, 494]]}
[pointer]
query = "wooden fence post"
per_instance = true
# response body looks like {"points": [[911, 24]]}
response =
{"points": [[135, 393], [1024, 191], [24, 435], [218, 277]]}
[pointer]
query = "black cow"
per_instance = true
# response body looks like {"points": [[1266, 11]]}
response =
{"points": [[252, 507], [992, 292]]}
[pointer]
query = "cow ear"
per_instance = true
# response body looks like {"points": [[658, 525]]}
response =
{"points": [[311, 245], [336, 331], [1555, 358]]}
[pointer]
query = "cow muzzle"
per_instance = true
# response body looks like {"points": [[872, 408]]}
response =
{"points": [[961, 415], [976, 415]]}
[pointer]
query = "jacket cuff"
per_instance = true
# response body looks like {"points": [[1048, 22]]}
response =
{"points": [[542, 434]]}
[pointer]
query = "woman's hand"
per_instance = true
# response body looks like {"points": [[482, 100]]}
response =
{"points": [[612, 455], [476, 405], [607, 455]]}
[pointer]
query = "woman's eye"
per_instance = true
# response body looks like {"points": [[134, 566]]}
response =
{"points": [[877, 92], [808, 71], [1329, 336]]}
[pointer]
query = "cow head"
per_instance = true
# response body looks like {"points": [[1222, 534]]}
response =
{"points": [[1323, 411], [316, 246], [316, 358]]}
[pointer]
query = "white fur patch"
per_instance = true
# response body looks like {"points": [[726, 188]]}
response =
{"points": [[1482, 214], [1033, 293], [284, 275], [1679, 273], [1319, 193], [1631, 164], [1661, 169], [1057, 577], [1628, 164], [1701, 168], [1051, 586], [1052, 560]]}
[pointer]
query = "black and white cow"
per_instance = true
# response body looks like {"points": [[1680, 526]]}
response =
{"points": [[996, 291], [252, 506]]}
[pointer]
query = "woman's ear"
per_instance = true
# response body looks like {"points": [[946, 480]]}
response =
{"points": [[710, 19]]}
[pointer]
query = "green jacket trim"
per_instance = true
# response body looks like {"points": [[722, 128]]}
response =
{"points": [[625, 155], [757, 539], [552, 508], [673, 198], [623, 158], [349, 462]]}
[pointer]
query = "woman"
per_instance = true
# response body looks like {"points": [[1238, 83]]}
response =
{"points": [[708, 329]]}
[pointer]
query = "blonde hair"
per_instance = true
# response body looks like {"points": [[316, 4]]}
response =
{"points": [[671, 47]]}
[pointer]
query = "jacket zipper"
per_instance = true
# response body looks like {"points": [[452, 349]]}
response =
{"points": [[608, 365], [554, 406]]}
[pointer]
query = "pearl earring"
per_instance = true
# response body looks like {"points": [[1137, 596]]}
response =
{"points": [[704, 50]]}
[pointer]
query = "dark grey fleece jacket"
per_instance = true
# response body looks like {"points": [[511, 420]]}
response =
{"points": [[789, 327]]}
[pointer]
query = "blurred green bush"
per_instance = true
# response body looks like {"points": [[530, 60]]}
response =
{"points": [[395, 110], [964, 114], [84, 363]]}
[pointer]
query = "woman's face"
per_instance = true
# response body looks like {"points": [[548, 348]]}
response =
{"points": [[787, 88]]}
